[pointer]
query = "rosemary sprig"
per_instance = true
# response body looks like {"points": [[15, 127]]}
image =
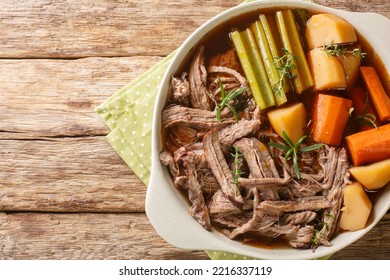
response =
{"points": [[284, 65], [236, 172], [292, 150], [364, 117], [226, 99], [337, 50]]}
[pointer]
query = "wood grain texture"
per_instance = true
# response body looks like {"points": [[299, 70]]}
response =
{"points": [[53, 155], [84, 236], [51, 97], [125, 236], [73, 28], [67, 175]]}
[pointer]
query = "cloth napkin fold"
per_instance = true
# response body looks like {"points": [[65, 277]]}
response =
{"points": [[128, 114]]}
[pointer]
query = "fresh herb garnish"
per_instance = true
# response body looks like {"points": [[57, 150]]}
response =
{"points": [[292, 150], [364, 117], [226, 98], [337, 50], [236, 172], [323, 227], [284, 65]]}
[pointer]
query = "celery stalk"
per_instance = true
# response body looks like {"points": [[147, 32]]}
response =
{"points": [[272, 72], [290, 38], [251, 63], [275, 46]]}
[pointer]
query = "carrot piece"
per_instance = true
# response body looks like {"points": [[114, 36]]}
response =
{"points": [[369, 146], [330, 118], [362, 106], [380, 99]]}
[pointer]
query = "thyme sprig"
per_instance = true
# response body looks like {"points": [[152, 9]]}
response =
{"points": [[337, 50], [237, 172], [284, 65], [226, 98], [292, 150]]}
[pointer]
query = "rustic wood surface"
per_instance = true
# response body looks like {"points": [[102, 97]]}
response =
{"points": [[64, 193]]}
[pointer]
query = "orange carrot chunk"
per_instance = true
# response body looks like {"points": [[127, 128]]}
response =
{"points": [[369, 146], [380, 99], [362, 106], [330, 117]]}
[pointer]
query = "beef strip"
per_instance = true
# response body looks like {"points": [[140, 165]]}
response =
{"points": [[222, 206], [181, 90], [299, 218], [327, 158], [260, 162], [198, 209], [331, 214], [230, 134], [307, 203], [258, 182], [301, 188], [166, 159], [199, 96], [220, 169], [195, 118], [302, 238], [221, 69]]}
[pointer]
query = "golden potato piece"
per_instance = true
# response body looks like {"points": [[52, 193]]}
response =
{"points": [[357, 208], [327, 29]]}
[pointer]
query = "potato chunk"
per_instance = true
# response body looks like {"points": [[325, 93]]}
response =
{"points": [[327, 29], [357, 208], [328, 72], [351, 66], [373, 176], [291, 119]]}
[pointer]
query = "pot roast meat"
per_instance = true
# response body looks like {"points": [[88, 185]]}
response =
{"points": [[199, 96], [194, 118], [226, 70], [260, 162], [281, 207], [335, 195], [198, 209], [302, 238], [230, 134], [181, 90], [220, 169], [221, 206]]}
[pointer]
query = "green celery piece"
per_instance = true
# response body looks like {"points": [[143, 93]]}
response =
{"points": [[272, 72], [275, 46], [290, 38], [253, 67]]}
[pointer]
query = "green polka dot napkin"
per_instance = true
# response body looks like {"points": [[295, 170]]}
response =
{"points": [[128, 114]]}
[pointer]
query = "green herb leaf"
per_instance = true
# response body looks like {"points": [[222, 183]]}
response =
{"points": [[292, 150], [279, 146], [337, 50], [284, 65], [226, 98]]}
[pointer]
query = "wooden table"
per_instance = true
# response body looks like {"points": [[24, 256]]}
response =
{"points": [[64, 192]]}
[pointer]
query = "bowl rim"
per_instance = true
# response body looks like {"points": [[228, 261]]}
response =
{"points": [[161, 194]]}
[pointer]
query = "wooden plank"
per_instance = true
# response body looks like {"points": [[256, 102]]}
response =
{"points": [[84, 236], [47, 97], [124, 236], [67, 175], [74, 28]]}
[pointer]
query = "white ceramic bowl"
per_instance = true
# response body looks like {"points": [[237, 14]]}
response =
{"points": [[168, 210]]}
